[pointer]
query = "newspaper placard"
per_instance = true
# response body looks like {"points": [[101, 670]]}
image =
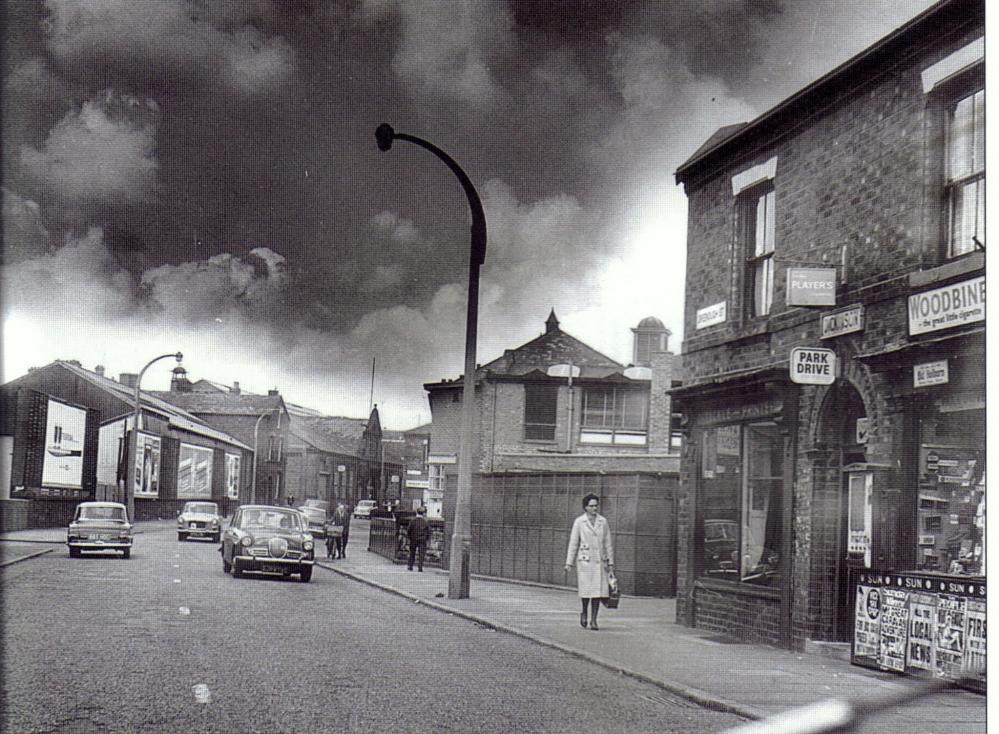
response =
{"points": [[922, 613], [951, 618], [894, 626], [867, 622], [974, 652]]}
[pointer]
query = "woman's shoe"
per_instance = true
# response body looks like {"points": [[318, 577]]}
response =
{"points": [[593, 625], [582, 620]]}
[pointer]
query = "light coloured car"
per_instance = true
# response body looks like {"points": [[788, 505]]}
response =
{"points": [[315, 518], [199, 520], [268, 539], [321, 504], [364, 508], [99, 526]]}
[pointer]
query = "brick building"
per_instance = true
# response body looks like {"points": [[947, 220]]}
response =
{"points": [[67, 431], [833, 393], [556, 419]]}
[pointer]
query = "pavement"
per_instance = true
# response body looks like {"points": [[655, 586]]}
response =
{"points": [[640, 639]]}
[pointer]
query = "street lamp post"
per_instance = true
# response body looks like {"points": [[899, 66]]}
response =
{"points": [[461, 539], [136, 419]]}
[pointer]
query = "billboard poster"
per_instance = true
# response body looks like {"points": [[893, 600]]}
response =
{"points": [[232, 476], [867, 622], [64, 432], [922, 611], [951, 614], [894, 629], [194, 473], [147, 466], [974, 652]]}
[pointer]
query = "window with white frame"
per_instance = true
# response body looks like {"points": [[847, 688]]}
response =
{"points": [[232, 475], [275, 444], [965, 180], [613, 415], [757, 216]]}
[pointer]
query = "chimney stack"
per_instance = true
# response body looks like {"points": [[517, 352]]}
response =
{"points": [[235, 387], [99, 369]]}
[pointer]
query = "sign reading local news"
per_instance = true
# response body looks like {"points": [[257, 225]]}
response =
{"points": [[813, 366], [811, 286], [953, 305], [710, 315], [842, 322], [930, 373]]}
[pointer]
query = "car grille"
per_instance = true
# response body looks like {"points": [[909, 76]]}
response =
{"points": [[263, 553]]}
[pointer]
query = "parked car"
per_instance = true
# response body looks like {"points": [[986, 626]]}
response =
{"points": [[721, 546], [99, 526], [321, 504], [364, 508], [315, 518], [268, 539], [199, 520]]}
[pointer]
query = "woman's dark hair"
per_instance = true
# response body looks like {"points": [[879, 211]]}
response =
{"points": [[587, 498]]}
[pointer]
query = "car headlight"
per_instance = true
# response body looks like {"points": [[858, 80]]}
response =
{"points": [[215, 523], [181, 519], [307, 545], [246, 540]]}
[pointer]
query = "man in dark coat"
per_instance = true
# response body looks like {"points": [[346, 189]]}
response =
{"points": [[341, 519], [419, 534]]}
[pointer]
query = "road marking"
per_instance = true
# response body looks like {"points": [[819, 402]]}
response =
{"points": [[176, 565], [201, 693], [184, 611], [176, 581]]}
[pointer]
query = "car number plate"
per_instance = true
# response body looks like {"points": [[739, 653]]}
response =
{"points": [[104, 536], [272, 568]]}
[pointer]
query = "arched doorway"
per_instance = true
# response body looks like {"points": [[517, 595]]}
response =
{"points": [[843, 496]]}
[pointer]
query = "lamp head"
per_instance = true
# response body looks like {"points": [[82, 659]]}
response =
{"points": [[384, 135], [179, 357]]}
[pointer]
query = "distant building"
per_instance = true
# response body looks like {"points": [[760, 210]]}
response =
{"points": [[65, 435]]}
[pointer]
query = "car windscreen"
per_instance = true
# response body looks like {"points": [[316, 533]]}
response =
{"points": [[102, 513], [287, 519], [205, 508]]}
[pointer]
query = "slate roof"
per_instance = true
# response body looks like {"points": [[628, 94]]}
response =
{"points": [[151, 402], [220, 403], [319, 433]]}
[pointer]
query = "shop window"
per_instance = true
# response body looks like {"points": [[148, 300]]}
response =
{"points": [[757, 218], [950, 510], [742, 503], [540, 402], [194, 472], [965, 183], [614, 416]]}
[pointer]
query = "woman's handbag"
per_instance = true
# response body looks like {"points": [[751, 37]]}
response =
{"points": [[613, 593]]}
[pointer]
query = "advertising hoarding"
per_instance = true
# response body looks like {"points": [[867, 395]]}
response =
{"points": [[65, 427]]}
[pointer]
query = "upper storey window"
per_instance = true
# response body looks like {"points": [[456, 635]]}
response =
{"points": [[759, 240], [965, 184], [540, 410]]}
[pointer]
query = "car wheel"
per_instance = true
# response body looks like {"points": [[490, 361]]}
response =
{"points": [[181, 537], [305, 575], [127, 553], [74, 552]]}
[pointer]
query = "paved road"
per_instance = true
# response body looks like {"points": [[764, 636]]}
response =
{"points": [[165, 642]]}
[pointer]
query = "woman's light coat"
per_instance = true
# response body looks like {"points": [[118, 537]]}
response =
{"points": [[590, 549]]}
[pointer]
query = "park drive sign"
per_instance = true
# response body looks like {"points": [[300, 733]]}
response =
{"points": [[813, 366]]}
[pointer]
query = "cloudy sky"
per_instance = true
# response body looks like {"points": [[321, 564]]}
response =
{"points": [[202, 175]]}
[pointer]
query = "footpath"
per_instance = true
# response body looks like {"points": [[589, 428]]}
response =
{"points": [[640, 639]]}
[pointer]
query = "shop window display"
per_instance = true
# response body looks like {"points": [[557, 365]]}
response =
{"points": [[742, 503]]}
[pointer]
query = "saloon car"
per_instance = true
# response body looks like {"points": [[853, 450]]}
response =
{"points": [[364, 508], [99, 526], [199, 520], [315, 518], [268, 539]]}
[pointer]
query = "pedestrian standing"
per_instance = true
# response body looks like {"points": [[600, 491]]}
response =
{"points": [[419, 534], [591, 551], [339, 530]]}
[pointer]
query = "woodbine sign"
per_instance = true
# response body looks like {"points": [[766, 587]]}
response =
{"points": [[942, 308]]}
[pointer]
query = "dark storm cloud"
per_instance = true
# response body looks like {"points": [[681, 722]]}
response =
{"points": [[207, 171]]}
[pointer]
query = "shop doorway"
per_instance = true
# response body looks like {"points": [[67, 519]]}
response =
{"points": [[844, 434]]}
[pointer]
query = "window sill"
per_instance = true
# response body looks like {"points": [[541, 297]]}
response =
{"points": [[735, 587]]}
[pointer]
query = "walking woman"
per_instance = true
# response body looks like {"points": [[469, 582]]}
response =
{"points": [[592, 552]]}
